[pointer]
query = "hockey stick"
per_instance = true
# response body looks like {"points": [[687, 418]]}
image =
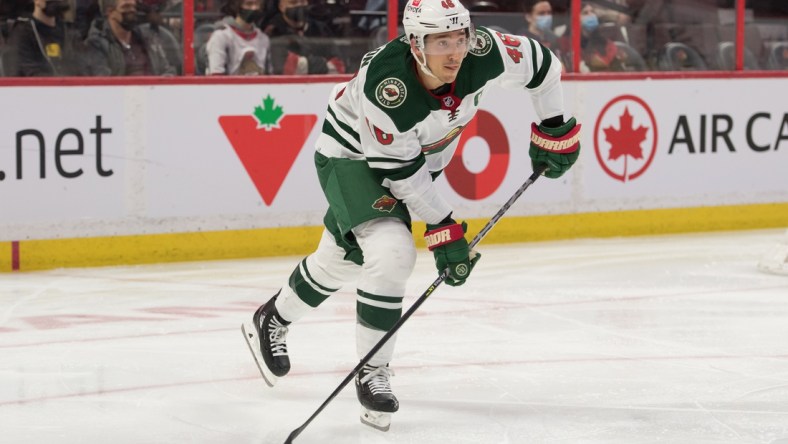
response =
{"points": [[442, 277]]}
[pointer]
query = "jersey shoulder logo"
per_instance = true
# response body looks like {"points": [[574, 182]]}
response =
{"points": [[483, 44], [385, 203], [391, 92]]}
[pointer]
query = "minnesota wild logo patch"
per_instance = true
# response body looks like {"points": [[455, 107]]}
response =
{"points": [[483, 44], [391, 92], [385, 203]]}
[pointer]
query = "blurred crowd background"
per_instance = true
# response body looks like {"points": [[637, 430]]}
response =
{"points": [[275, 37]]}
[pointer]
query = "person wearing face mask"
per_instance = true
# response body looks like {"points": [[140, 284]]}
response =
{"points": [[301, 44], [43, 44], [117, 46], [598, 53], [538, 16], [292, 17], [238, 47]]}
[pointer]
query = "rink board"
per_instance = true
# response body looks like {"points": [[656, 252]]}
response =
{"points": [[177, 247], [148, 173]]}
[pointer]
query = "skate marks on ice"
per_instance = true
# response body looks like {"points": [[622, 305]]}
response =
{"points": [[655, 339]]}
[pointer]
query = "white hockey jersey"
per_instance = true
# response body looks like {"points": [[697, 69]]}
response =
{"points": [[229, 46], [406, 133]]}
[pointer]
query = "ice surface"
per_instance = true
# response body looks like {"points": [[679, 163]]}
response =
{"points": [[664, 339]]}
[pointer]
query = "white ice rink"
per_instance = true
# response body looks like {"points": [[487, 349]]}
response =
{"points": [[665, 339]]}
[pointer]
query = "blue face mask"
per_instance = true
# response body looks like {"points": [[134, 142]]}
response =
{"points": [[544, 22], [589, 22]]}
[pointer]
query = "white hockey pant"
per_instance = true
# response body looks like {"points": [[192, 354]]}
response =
{"points": [[389, 258]]}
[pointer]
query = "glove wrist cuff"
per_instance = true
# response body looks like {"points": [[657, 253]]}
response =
{"points": [[443, 235], [568, 143]]}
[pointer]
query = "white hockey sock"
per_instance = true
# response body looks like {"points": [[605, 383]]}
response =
{"points": [[290, 307], [366, 338]]}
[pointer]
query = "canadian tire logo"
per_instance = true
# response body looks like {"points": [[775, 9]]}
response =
{"points": [[267, 143], [625, 138]]}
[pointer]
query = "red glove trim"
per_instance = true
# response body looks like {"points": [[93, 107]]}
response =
{"points": [[443, 235], [568, 143]]}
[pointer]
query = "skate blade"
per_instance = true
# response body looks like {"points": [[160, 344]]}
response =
{"points": [[253, 341], [377, 420]]}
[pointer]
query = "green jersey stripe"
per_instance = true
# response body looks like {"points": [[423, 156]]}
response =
{"points": [[391, 160], [540, 75], [329, 130], [343, 126]]}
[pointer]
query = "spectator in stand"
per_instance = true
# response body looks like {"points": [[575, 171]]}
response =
{"points": [[238, 47], [300, 33], [598, 53], [9, 11], [118, 47], [538, 16], [42, 45], [85, 11], [292, 18]]}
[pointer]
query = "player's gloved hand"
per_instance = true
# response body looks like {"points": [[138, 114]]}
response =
{"points": [[557, 147], [447, 242]]}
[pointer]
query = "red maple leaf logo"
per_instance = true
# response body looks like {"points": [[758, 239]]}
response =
{"points": [[626, 140]]}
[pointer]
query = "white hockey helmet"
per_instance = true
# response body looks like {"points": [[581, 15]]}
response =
{"points": [[424, 17]]}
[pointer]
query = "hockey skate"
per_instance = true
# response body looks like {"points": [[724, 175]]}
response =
{"points": [[265, 336], [377, 400]]}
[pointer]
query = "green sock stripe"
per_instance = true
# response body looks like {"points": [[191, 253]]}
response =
{"points": [[380, 298], [304, 290], [377, 318], [313, 282]]}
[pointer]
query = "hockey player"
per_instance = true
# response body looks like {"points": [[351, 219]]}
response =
{"points": [[388, 133]]}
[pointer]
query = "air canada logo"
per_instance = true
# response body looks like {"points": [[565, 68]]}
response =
{"points": [[391, 92], [482, 45], [385, 203], [267, 143], [625, 138]]}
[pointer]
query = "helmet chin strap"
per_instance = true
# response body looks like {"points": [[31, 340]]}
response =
{"points": [[423, 65]]}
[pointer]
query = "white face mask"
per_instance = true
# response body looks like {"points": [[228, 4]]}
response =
{"points": [[589, 22], [544, 22]]}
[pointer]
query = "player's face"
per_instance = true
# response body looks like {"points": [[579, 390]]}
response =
{"points": [[444, 53]]}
